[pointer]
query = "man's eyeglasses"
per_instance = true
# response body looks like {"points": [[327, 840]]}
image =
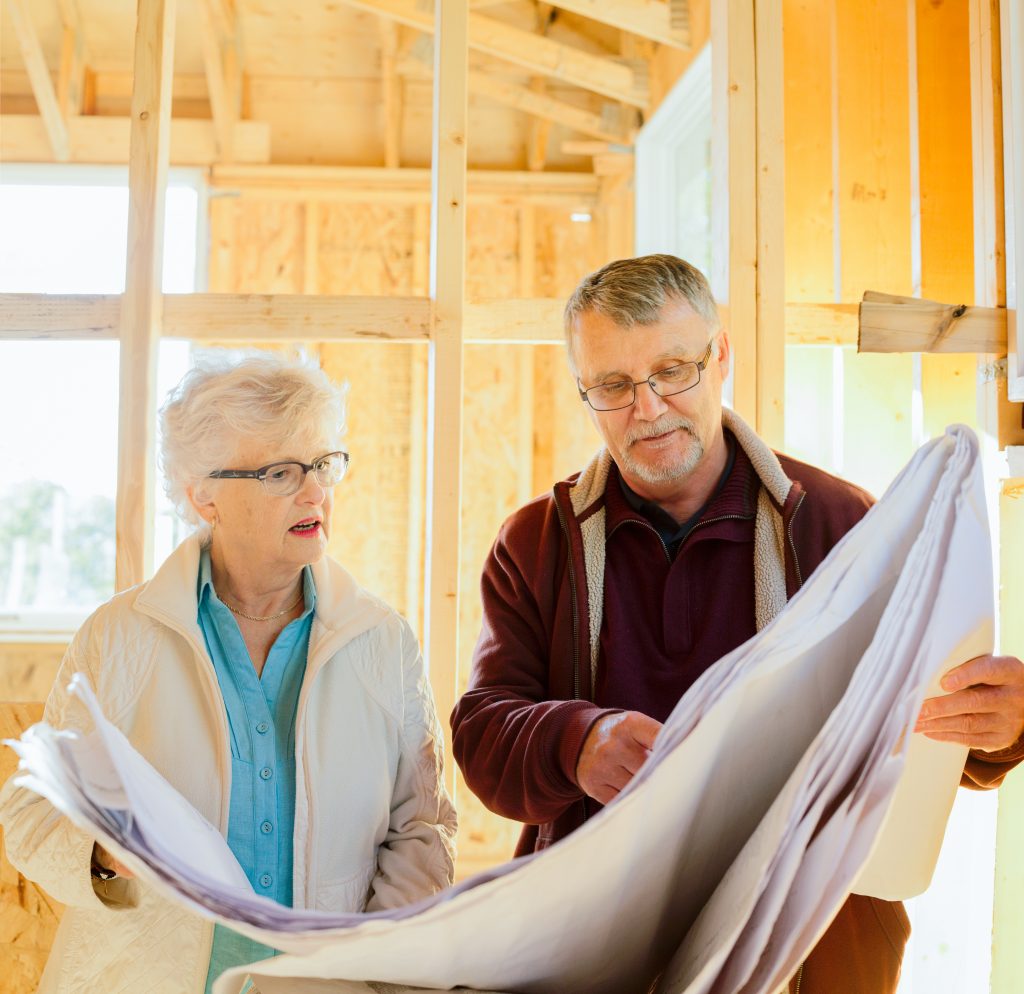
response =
{"points": [[666, 382], [284, 478]]}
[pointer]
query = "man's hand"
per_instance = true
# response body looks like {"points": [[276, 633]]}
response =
{"points": [[985, 707], [614, 749], [102, 858]]}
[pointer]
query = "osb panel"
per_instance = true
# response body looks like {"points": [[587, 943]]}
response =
{"points": [[565, 438], [492, 251], [369, 527], [28, 916], [566, 251], [493, 420], [365, 249], [268, 247], [27, 669]]}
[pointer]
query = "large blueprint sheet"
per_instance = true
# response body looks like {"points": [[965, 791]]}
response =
{"points": [[786, 778]]}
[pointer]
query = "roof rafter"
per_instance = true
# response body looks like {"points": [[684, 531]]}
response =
{"points": [[39, 77], [219, 38], [540, 55], [661, 21], [73, 59]]}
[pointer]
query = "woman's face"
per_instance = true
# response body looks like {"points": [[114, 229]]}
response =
{"points": [[265, 531]]}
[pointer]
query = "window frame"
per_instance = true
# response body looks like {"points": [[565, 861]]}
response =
{"points": [[30, 624]]}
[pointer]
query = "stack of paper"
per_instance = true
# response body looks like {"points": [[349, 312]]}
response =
{"points": [[779, 784]]}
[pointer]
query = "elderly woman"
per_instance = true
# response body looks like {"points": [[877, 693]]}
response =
{"points": [[286, 703]]}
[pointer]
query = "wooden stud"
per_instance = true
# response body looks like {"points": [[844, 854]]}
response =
{"points": [[447, 282], [141, 302], [1007, 948], [771, 223], [524, 48], [391, 83], [50, 114], [734, 197], [1000, 419], [649, 18], [944, 215], [1012, 35]]}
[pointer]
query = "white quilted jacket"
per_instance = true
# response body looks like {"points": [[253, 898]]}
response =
{"points": [[374, 827]]}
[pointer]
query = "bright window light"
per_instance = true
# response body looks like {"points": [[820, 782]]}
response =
{"points": [[64, 231]]}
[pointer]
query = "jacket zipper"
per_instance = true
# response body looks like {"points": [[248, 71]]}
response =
{"points": [[792, 546], [799, 979]]}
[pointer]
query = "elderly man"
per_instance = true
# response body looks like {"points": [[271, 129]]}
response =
{"points": [[683, 494]]}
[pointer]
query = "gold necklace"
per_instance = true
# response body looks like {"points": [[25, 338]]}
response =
{"points": [[269, 617]]}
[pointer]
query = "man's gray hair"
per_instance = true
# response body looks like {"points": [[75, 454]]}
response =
{"points": [[227, 397], [633, 291]]}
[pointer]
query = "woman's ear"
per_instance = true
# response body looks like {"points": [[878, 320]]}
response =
{"points": [[201, 499]]}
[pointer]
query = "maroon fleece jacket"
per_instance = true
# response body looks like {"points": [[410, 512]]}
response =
{"points": [[519, 728]]}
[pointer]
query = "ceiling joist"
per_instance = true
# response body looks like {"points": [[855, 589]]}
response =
{"points": [[541, 56], [53, 120], [219, 37], [391, 84], [539, 104], [661, 21], [73, 59]]}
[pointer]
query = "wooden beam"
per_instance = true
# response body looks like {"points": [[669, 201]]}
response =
{"points": [[734, 197], [1012, 35], [533, 100], [392, 86], [104, 140], [282, 317], [71, 81], [654, 19], [50, 114], [891, 323], [540, 127], [141, 304], [541, 56], [373, 184], [218, 36], [447, 291], [771, 223]]}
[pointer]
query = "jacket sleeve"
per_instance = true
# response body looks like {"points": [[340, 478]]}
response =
{"points": [[41, 843], [985, 770], [516, 747], [417, 857]]}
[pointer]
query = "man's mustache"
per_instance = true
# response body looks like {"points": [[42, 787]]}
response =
{"points": [[654, 428]]}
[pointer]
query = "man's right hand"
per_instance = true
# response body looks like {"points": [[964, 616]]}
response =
{"points": [[614, 749]]}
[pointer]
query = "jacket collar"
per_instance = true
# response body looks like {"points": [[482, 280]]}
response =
{"points": [[343, 609], [589, 487]]}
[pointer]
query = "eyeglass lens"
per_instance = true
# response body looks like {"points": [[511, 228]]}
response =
{"points": [[665, 383], [287, 478]]}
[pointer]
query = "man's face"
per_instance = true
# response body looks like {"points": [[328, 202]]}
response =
{"points": [[658, 442]]}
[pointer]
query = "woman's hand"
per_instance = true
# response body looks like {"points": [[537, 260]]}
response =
{"points": [[103, 859]]}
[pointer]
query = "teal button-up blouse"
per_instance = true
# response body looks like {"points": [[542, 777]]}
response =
{"points": [[261, 714]]}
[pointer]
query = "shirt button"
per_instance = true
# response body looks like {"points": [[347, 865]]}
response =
{"points": [[263, 727], [266, 773], [266, 880], [266, 828]]}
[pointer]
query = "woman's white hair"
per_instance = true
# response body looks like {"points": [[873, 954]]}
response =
{"points": [[228, 396]]}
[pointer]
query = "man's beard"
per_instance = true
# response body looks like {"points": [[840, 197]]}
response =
{"points": [[664, 472]]}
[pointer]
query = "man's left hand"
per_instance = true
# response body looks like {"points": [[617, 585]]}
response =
{"points": [[984, 706]]}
